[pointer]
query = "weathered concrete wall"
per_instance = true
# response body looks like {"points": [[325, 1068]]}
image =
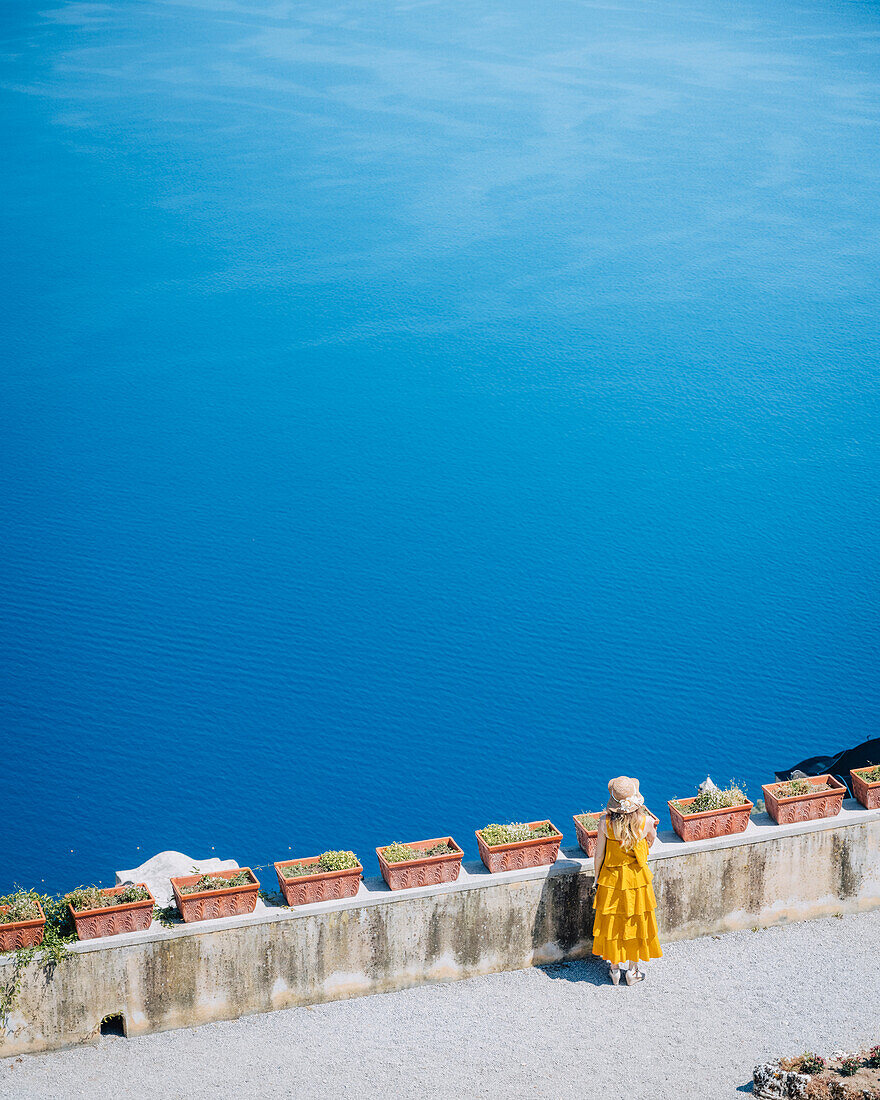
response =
{"points": [[809, 874], [379, 941]]}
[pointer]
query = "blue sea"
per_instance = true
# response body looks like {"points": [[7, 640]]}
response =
{"points": [[414, 414]]}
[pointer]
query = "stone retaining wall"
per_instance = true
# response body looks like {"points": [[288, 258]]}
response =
{"points": [[381, 941]]}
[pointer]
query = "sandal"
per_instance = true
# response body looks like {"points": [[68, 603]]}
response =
{"points": [[633, 976], [614, 974]]}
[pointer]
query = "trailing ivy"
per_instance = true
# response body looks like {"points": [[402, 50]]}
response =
{"points": [[58, 933], [166, 915]]}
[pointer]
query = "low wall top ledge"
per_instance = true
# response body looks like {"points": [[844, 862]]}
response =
{"points": [[474, 876]]}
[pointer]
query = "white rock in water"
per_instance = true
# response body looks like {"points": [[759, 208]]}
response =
{"points": [[157, 872], [707, 785]]}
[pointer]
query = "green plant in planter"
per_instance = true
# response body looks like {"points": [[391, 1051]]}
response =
{"points": [[327, 861], [58, 933], [849, 1065], [732, 795], [589, 821], [21, 905], [216, 882], [793, 787], [513, 832], [93, 897], [339, 861], [872, 774], [398, 853]]}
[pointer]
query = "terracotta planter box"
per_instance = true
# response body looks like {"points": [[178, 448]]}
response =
{"points": [[710, 823], [22, 933], [539, 852], [586, 838], [210, 904], [132, 916], [866, 792], [324, 886], [805, 807], [428, 871]]}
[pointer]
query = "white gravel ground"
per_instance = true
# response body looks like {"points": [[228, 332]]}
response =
{"points": [[707, 1013]]}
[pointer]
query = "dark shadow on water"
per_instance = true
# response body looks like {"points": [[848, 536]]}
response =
{"points": [[593, 971]]}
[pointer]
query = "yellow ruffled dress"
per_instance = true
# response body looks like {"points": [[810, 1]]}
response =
{"points": [[625, 927]]}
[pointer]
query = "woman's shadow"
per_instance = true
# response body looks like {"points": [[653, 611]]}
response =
{"points": [[592, 971]]}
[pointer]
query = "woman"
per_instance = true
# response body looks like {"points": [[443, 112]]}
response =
{"points": [[625, 928]]}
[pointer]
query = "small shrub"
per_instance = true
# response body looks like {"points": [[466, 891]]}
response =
{"points": [[872, 1058], [872, 774], [820, 1088], [216, 882], [93, 897], [849, 1065], [398, 853], [58, 933], [792, 787], [338, 861], [808, 1062], [327, 861], [734, 795], [515, 831], [21, 905], [589, 821], [301, 870]]}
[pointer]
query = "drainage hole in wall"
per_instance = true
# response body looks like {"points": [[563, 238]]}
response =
{"points": [[113, 1024]]}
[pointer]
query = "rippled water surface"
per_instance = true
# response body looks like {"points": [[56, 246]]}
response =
{"points": [[414, 414]]}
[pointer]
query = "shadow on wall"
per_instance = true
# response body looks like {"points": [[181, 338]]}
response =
{"points": [[564, 922]]}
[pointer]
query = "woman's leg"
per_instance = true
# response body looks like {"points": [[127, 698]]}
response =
{"points": [[634, 975]]}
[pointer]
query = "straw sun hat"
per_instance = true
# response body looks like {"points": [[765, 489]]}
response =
{"points": [[623, 795]]}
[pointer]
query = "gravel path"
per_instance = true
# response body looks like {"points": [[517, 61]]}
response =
{"points": [[708, 1012]]}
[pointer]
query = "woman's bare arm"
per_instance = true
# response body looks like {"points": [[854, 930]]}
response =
{"points": [[651, 828], [600, 847]]}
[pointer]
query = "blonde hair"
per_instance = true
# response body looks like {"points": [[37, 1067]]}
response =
{"points": [[628, 829], [628, 825]]}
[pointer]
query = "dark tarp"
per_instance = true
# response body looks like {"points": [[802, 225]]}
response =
{"points": [[839, 766]]}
